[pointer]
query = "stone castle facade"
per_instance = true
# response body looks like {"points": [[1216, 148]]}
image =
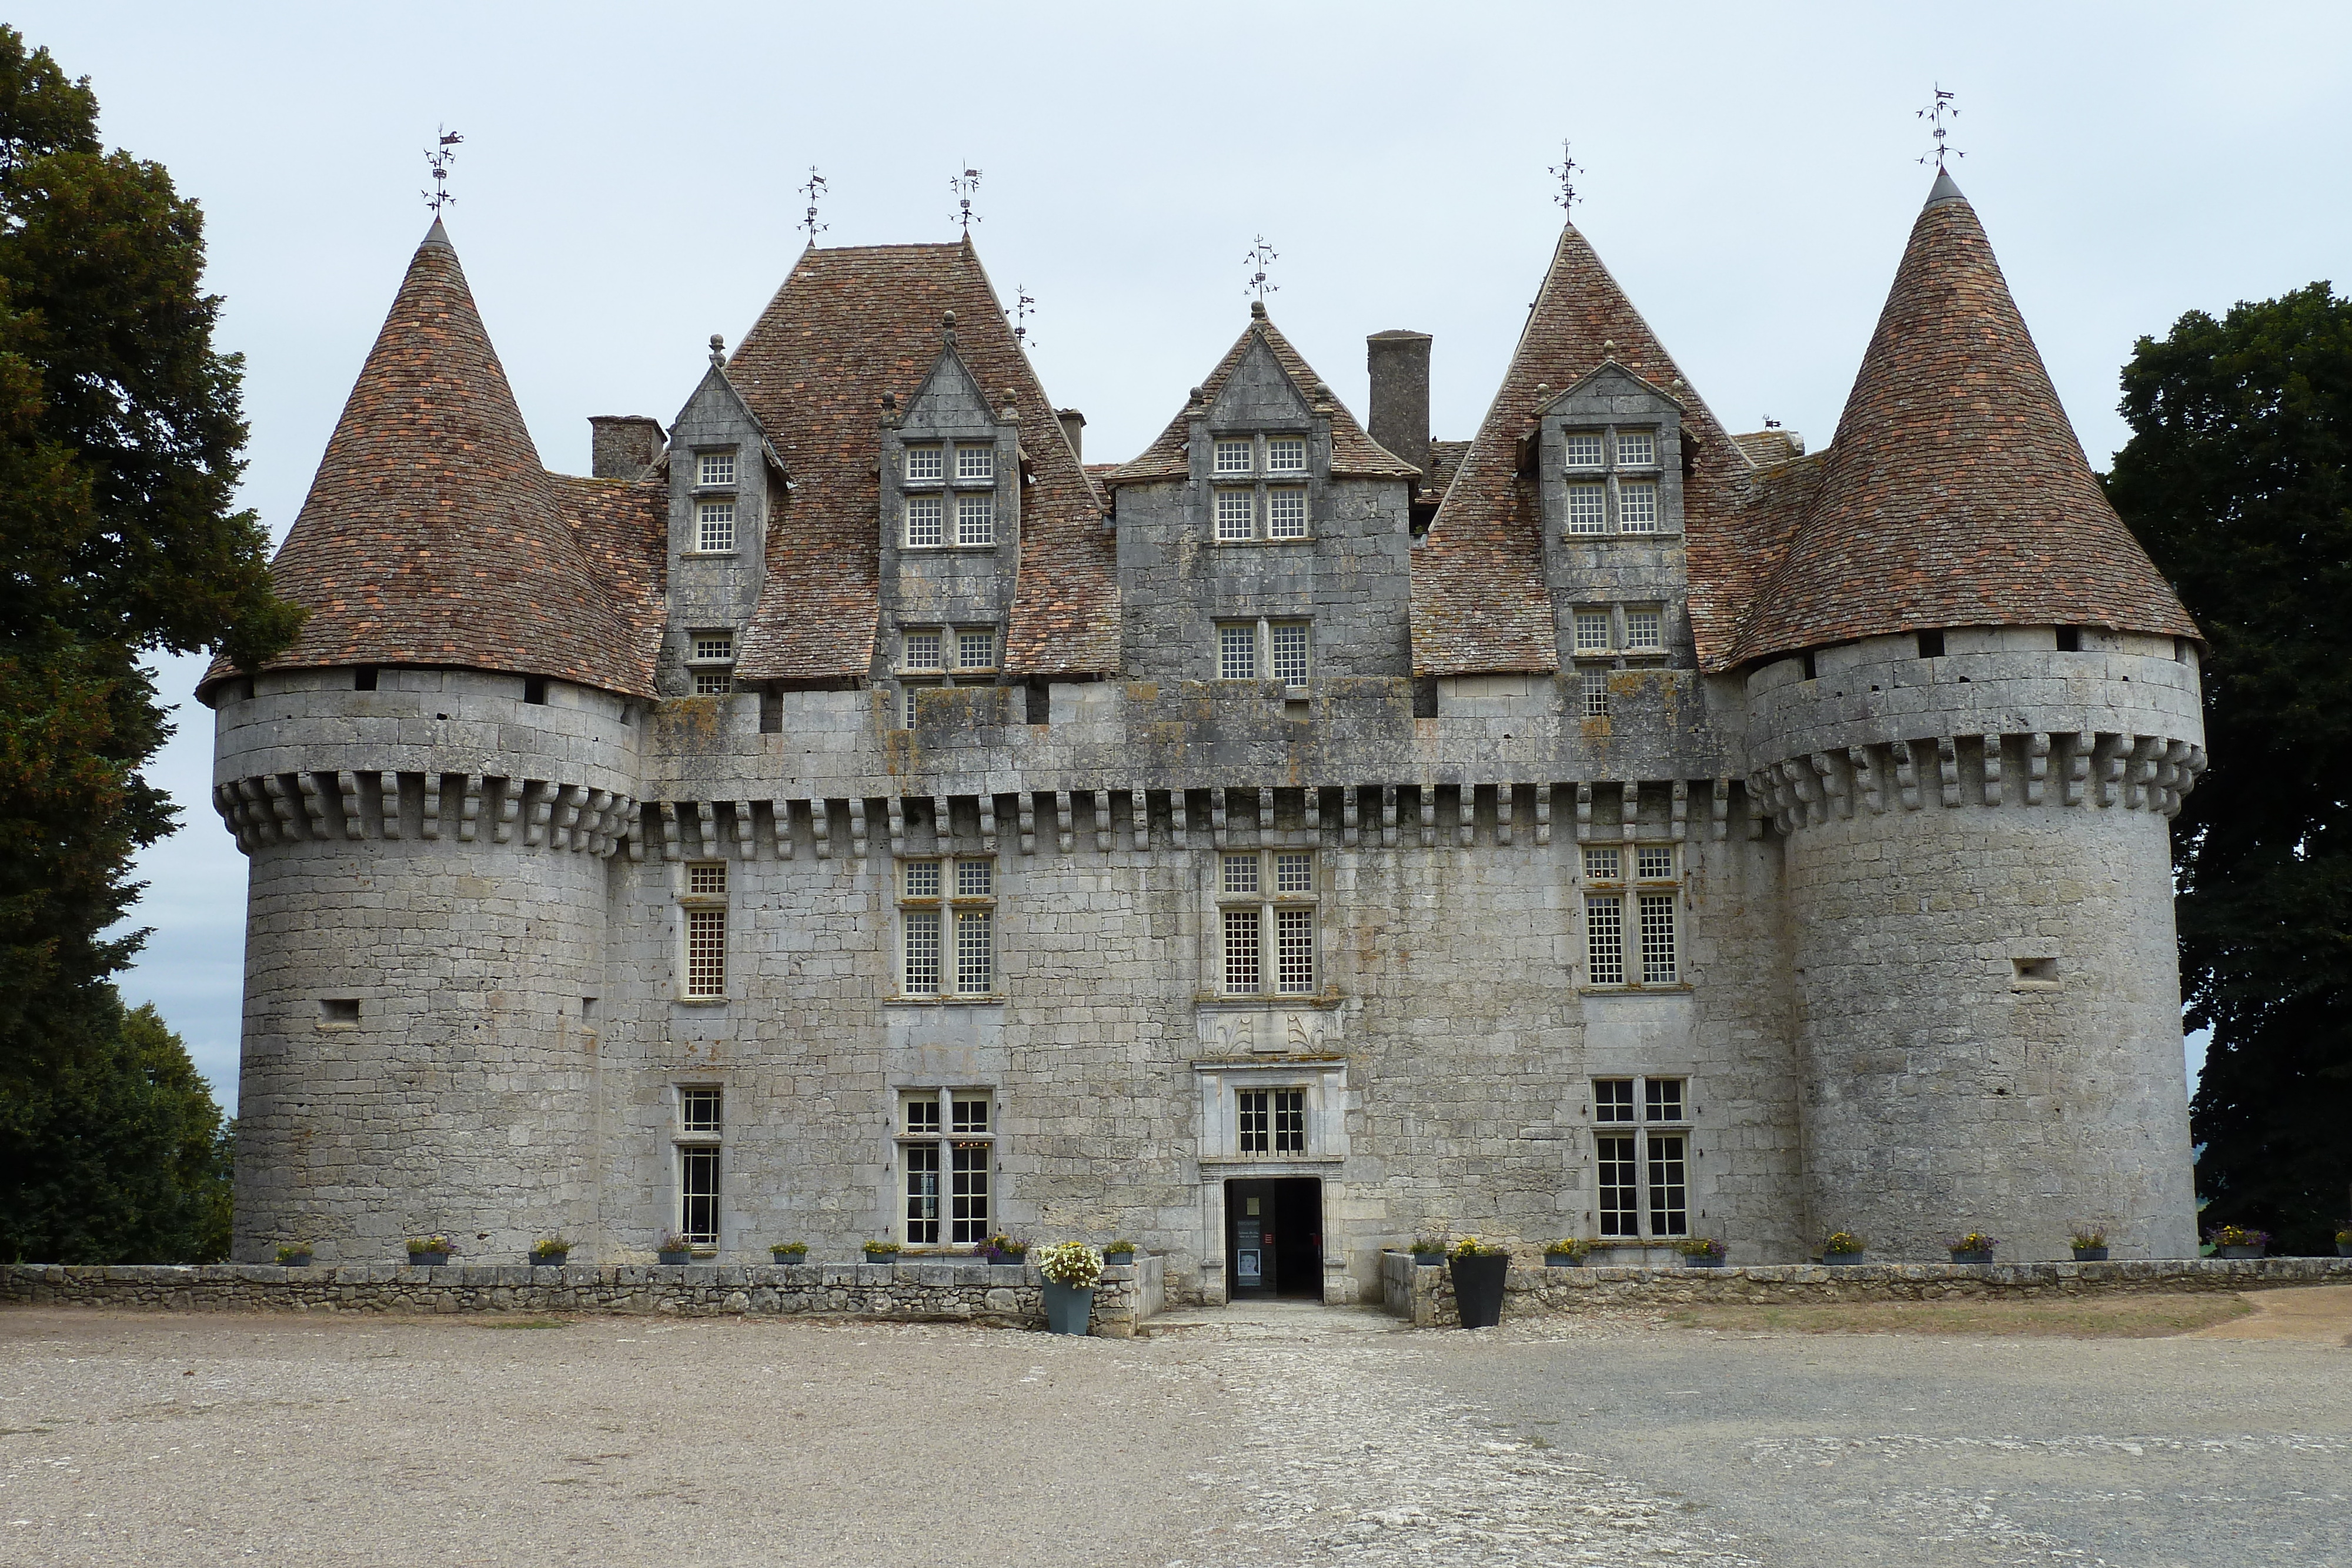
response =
{"points": [[849, 814]]}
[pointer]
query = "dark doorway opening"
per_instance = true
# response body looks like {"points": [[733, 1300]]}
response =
{"points": [[1274, 1238]]}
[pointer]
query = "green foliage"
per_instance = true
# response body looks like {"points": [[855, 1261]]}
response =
{"points": [[2238, 478], [120, 430]]}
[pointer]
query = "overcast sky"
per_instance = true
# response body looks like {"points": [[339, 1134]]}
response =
{"points": [[627, 188]]}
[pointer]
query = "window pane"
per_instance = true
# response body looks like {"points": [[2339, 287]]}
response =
{"points": [[910, 691], [976, 879], [1637, 507], [713, 645], [976, 650], [1285, 514], [1294, 951], [922, 651], [713, 682], [1254, 1121], [975, 519], [922, 879], [1603, 865], [922, 1190], [705, 952], [1604, 939], [706, 876], [967, 1193], [971, 1116], [715, 468], [1658, 939], [1612, 1099], [1237, 652], [1592, 629], [1636, 449], [922, 463], [1663, 1099], [923, 515], [697, 1110], [1643, 628], [1289, 654], [975, 952], [1233, 456], [1290, 1121], [1286, 454], [1585, 513], [1241, 874], [1669, 1186], [922, 951], [1614, 1158], [923, 1116], [975, 462], [1240, 951], [1236, 514], [1581, 451], [1294, 873], [1596, 694], [715, 526], [1654, 861], [697, 1187]]}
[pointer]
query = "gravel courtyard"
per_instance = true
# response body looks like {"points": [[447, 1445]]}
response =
{"points": [[1306, 1437]]}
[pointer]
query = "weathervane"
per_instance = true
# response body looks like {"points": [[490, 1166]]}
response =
{"points": [[1024, 306], [1565, 172], [963, 186], [813, 190], [438, 159], [1260, 253], [1934, 114]]}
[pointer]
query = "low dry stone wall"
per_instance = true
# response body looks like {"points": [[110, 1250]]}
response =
{"points": [[1011, 1295], [1426, 1295]]}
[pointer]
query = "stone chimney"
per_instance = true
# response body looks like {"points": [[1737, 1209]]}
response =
{"points": [[1399, 362], [1073, 424], [622, 445]]}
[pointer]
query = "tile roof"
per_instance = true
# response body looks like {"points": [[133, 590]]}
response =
{"points": [[622, 527], [848, 325], [1955, 493], [1444, 462], [1479, 604], [432, 535], [1354, 455], [1765, 448]]}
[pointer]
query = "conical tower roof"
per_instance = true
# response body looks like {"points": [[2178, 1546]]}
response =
{"points": [[432, 535], [1956, 493]]}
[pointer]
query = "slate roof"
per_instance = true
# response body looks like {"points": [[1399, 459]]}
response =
{"points": [[848, 325], [1479, 604], [1354, 454], [1955, 493], [432, 535]]}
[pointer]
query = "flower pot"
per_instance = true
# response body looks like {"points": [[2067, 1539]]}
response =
{"points": [[1701, 1260], [548, 1260], [1562, 1260], [427, 1259], [1833, 1259], [1119, 1260], [1961, 1256], [882, 1258], [1068, 1308], [1429, 1259], [1478, 1290], [2090, 1254], [2344, 1249], [788, 1259], [675, 1260], [298, 1260], [2240, 1251]]}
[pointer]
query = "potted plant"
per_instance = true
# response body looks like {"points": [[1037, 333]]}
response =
{"points": [[1700, 1252], [1479, 1269], [882, 1252], [1428, 1249], [1843, 1246], [549, 1251], [2344, 1241], [674, 1249], [1975, 1247], [1003, 1249], [789, 1252], [1072, 1270], [294, 1255], [2090, 1244], [1118, 1255], [1568, 1252], [428, 1252], [2237, 1241]]}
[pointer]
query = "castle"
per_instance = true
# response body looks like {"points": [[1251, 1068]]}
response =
{"points": [[849, 814]]}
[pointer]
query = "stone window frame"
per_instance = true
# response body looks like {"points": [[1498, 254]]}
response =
{"points": [[1260, 481], [1222, 1082], [912, 677], [692, 1140], [943, 907], [950, 486], [1659, 1143], [712, 515], [711, 661], [945, 1146], [709, 475], [703, 903], [1613, 474], [1267, 900], [1611, 400], [1267, 1137], [1263, 648], [1633, 885]]}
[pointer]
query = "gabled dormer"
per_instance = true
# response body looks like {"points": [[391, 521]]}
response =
{"points": [[726, 486], [1260, 454], [1607, 458]]}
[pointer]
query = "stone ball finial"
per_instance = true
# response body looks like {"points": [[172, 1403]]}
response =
{"points": [[1196, 396], [946, 319], [1257, 309], [890, 401], [1608, 345], [718, 350]]}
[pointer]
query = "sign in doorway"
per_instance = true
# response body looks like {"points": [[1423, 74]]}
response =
{"points": [[1274, 1238]]}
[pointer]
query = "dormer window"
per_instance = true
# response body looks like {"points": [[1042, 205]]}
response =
{"points": [[1236, 514], [1637, 449], [1264, 649], [923, 463], [1637, 505], [715, 470], [1621, 494], [975, 514], [924, 514], [1581, 451], [714, 527], [1249, 503], [939, 656], [1286, 454], [1234, 457], [976, 464], [710, 655], [1588, 508]]}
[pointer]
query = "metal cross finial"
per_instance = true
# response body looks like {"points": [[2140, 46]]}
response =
{"points": [[438, 159], [1934, 114], [1024, 306], [1260, 253], [1565, 172], [813, 190], [963, 186]]}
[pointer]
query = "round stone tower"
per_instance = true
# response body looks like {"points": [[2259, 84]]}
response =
{"points": [[1973, 710], [430, 785]]}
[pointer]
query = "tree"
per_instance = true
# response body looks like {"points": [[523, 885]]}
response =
{"points": [[2238, 478], [119, 432]]}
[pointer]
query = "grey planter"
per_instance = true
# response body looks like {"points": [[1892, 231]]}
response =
{"points": [[1069, 1309], [427, 1259], [882, 1258], [1562, 1260], [1429, 1259], [1958, 1256], [2240, 1251], [548, 1260], [1837, 1260], [2090, 1254], [674, 1260], [300, 1260], [1701, 1260], [787, 1259]]}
